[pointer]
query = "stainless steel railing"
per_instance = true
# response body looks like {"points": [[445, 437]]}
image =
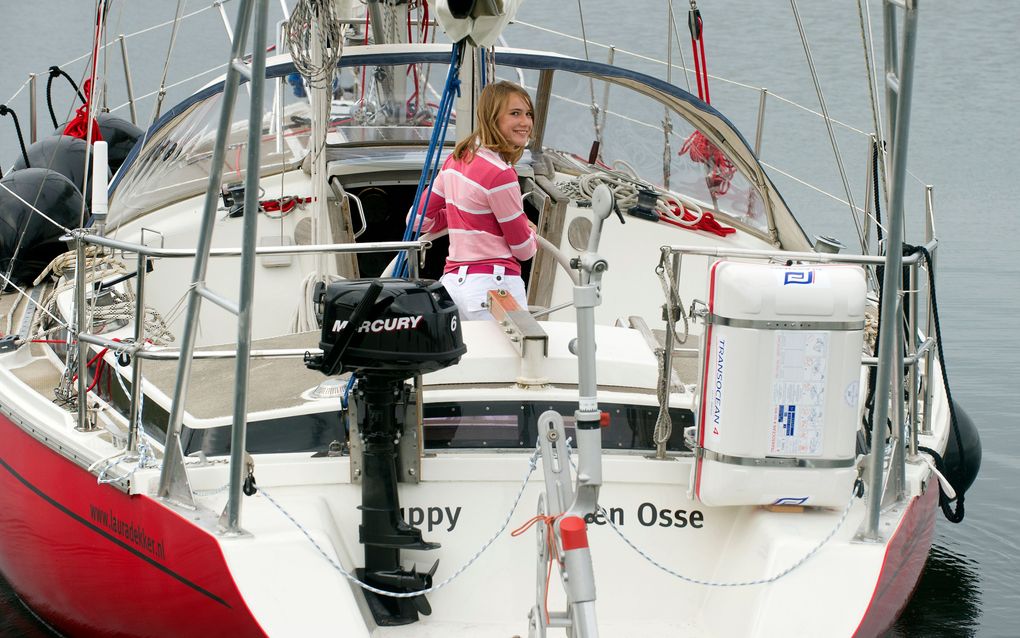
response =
{"points": [[139, 353]]}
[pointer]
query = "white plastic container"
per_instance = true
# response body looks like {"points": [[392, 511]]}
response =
{"points": [[779, 404]]}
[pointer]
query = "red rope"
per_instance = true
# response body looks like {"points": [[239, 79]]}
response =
{"points": [[283, 205], [101, 369], [721, 169], [551, 549], [704, 59], [707, 222], [79, 124]]}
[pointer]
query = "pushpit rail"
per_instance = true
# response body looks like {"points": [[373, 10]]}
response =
{"points": [[143, 254]]}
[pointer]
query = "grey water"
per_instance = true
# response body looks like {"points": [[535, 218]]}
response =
{"points": [[963, 131]]}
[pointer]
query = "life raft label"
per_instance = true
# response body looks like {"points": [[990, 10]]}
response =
{"points": [[798, 393]]}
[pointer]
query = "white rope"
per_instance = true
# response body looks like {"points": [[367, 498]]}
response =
{"points": [[305, 317], [18, 92], [156, 328], [625, 190], [10, 315], [532, 463]]}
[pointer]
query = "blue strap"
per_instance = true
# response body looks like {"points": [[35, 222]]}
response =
{"points": [[450, 93]]}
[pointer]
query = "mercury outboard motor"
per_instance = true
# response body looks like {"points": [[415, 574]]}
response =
{"points": [[386, 331]]}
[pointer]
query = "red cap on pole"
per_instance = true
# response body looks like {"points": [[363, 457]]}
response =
{"points": [[573, 533]]}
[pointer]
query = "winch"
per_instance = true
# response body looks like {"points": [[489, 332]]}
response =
{"points": [[384, 332]]}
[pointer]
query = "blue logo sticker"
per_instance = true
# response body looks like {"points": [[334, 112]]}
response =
{"points": [[787, 418], [790, 500], [798, 277]]}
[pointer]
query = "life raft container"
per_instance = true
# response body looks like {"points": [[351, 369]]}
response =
{"points": [[780, 399]]}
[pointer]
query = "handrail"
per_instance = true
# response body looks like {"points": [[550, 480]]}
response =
{"points": [[149, 251], [174, 354], [786, 255]]}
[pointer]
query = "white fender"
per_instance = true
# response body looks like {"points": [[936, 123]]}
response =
{"points": [[480, 21]]}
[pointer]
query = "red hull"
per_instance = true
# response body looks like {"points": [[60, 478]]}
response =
{"points": [[905, 557], [93, 561]]}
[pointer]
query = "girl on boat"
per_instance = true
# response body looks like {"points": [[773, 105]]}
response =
{"points": [[477, 197]]}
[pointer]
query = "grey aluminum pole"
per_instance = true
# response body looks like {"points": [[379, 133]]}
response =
{"points": [[245, 301], [136, 362], [170, 483], [929, 356], [913, 376], [760, 129], [80, 301], [888, 348], [667, 349], [33, 119], [127, 79]]}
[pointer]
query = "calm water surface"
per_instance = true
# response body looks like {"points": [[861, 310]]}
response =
{"points": [[963, 138]]}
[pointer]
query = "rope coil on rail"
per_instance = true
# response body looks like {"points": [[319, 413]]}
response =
{"points": [[315, 26]]}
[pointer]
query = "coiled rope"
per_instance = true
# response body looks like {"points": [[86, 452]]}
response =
{"points": [[625, 187], [315, 31]]}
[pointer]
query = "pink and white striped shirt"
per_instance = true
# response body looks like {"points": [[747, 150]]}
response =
{"points": [[480, 202]]}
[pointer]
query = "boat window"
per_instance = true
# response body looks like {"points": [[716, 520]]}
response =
{"points": [[514, 424], [299, 433], [633, 142], [175, 162]]}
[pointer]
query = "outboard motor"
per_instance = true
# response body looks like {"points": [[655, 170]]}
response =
{"points": [[386, 331]]}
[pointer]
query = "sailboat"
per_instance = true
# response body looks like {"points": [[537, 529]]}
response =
{"points": [[236, 401]]}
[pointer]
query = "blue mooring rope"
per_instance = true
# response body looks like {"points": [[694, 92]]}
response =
{"points": [[450, 92]]}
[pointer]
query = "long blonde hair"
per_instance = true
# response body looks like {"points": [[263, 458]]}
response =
{"points": [[491, 103]]}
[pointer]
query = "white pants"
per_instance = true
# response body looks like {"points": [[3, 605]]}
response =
{"points": [[470, 291]]}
